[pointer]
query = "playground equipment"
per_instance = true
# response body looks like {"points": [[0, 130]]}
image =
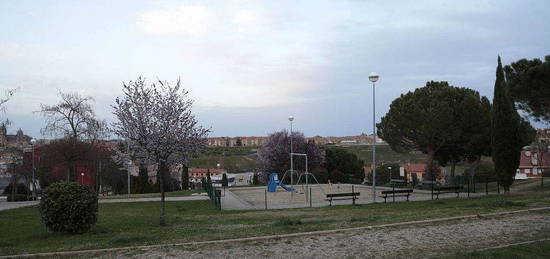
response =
{"points": [[274, 182]]}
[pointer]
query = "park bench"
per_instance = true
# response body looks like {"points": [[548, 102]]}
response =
{"points": [[448, 189], [342, 196], [396, 193]]}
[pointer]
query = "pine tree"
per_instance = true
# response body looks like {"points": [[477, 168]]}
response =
{"points": [[508, 129]]}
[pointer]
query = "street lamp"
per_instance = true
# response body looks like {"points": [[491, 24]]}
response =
{"points": [[290, 119], [373, 77], [33, 142]]}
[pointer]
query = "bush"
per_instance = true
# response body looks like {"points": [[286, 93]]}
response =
{"points": [[22, 192], [383, 173], [68, 207]]}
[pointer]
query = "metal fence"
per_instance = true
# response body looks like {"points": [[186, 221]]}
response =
{"points": [[214, 194]]}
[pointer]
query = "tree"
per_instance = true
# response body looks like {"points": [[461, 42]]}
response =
{"points": [[509, 132], [436, 119], [343, 166], [474, 128], [541, 147], [73, 117], [3, 101], [157, 120], [274, 154], [528, 81], [64, 153], [255, 179]]}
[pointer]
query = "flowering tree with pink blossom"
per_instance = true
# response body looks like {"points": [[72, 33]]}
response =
{"points": [[157, 121], [274, 155]]}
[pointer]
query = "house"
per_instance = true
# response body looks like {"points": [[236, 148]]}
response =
{"points": [[408, 170], [532, 164], [419, 170], [196, 174]]}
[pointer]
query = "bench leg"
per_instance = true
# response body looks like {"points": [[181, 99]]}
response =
{"points": [[408, 197], [458, 194], [330, 202], [353, 200], [385, 199]]}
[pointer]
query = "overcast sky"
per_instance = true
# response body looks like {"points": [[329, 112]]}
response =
{"points": [[251, 64]]}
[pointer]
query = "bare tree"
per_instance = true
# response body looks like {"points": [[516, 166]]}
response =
{"points": [[540, 145], [157, 120], [73, 117], [3, 101]]}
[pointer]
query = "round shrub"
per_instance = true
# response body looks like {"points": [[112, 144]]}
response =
{"points": [[68, 207], [22, 192]]}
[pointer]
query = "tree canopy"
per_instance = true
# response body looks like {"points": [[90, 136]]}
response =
{"points": [[529, 82], [274, 154], [448, 123], [343, 166], [157, 121]]}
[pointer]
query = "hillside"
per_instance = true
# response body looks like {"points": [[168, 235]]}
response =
{"points": [[242, 159]]}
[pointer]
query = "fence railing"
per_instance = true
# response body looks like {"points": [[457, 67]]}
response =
{"points": [[214, 194]]}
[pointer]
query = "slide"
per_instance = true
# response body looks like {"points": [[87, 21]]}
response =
{"points": [[286, 187], [274, 182]]}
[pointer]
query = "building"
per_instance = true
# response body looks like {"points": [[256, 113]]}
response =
{"points": [[363, 139], [19, 140], [532, 164], [8, 155], [196, 174], [217, 180], [407, 170]]}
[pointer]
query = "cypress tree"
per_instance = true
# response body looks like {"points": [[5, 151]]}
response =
{"points": [[505, 127], [225, 182], [185, 177]]}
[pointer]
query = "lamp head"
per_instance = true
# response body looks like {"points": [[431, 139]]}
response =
{"points": [[33, 141], [290, 118], [373, 77]]}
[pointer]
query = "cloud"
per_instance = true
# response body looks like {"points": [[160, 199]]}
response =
{"points": [[183, 20]]}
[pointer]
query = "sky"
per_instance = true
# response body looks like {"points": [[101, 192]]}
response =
{"points": [[250, 64]]}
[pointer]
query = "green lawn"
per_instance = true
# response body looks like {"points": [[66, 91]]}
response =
{"points": [[125, 224], [151, 195]]}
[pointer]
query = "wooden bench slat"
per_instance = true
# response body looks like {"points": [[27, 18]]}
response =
{"points": [[329, 195]]}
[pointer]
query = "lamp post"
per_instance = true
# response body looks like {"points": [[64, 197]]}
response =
{"points": [[389, 168], [33, 142], [373, 77], [290, 119]]}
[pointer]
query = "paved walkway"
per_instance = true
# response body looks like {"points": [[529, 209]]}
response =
{"points": [[4, 205]]}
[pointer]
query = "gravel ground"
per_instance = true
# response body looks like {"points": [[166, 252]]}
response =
{"points": [[395, 242], [254, 197]]}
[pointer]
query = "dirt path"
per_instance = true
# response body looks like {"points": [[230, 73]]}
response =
{"points": [[401, 242]]}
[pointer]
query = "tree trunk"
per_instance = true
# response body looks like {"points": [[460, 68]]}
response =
{"points": [[453, 167], [14, 187], [429, 167], [160, 176]]}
